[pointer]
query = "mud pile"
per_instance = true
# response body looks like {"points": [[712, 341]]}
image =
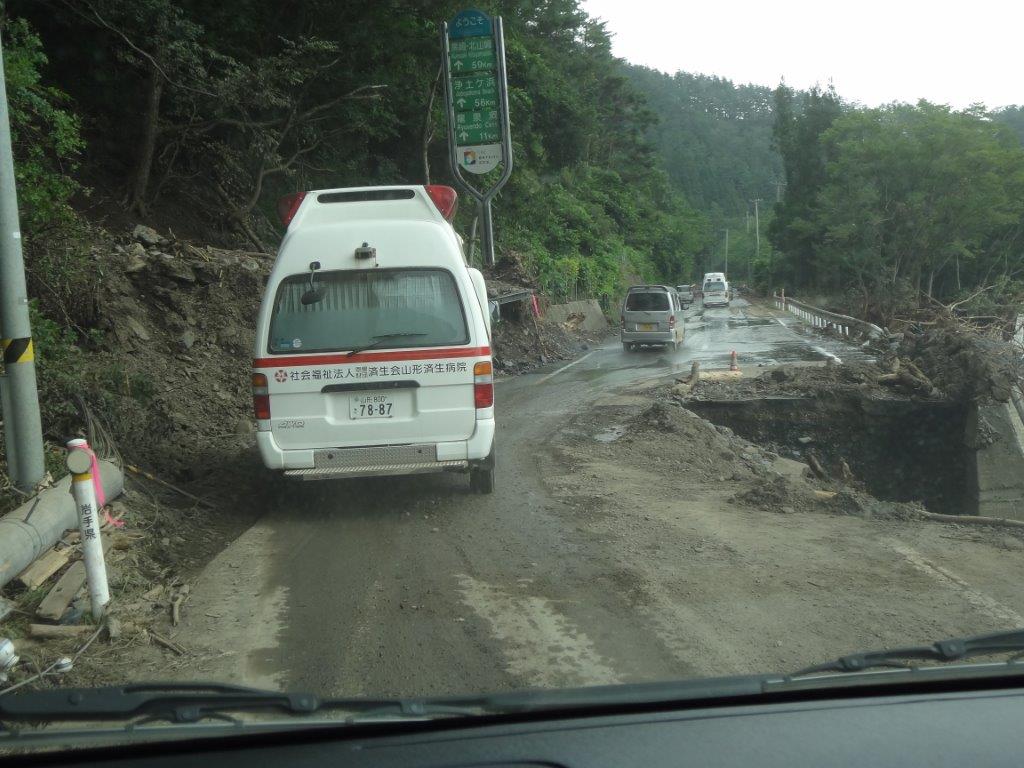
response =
{"points": [[667, 432], [799, 381], [962, 364], [178, 324]]}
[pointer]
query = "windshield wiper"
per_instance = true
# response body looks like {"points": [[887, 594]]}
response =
{"points": [[380, 339], [943, 650], [192, 702]]}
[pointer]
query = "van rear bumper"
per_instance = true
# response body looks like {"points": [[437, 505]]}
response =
{"points": [[648, 337], [378, 460]]}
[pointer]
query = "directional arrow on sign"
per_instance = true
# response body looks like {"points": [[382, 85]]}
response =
{"points": [[463, 135], [457, 64], [461, 102]]}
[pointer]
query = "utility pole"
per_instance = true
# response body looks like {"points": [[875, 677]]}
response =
{"points": [[778, 191], [757, 229], [23, 432], [726, 253], [748, 221]]}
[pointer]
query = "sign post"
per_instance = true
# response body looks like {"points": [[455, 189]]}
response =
{"points": [[476, 93]]}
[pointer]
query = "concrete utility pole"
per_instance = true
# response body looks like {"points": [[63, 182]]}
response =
{"points": [[23, 433], [727, 252], [757, 232]]}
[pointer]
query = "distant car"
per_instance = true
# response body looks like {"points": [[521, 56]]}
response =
{"points": [[651, 314], [716, 294], [685, 293]]}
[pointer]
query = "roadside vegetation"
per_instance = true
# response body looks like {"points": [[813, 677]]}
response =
{"points": [[901, 207]]}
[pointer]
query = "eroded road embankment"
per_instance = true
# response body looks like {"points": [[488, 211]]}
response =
{"points": [[611, 551]]}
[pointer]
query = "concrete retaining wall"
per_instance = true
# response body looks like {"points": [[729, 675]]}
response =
{"points": [[997, 433], [593, 317]]}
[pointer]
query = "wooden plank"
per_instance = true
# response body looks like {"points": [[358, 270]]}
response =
{"points": [[64, 591], [44, 567], [59, 630]]}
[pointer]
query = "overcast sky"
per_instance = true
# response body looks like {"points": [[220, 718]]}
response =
{"points": [[873, 51]]}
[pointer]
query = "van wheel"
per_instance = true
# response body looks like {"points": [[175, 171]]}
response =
{"points": [[627, 347]]}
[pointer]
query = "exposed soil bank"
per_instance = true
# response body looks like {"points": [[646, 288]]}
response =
{"points": [[901, 450]]}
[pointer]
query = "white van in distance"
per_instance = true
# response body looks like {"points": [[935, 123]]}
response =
{"points": [[373, 351]]}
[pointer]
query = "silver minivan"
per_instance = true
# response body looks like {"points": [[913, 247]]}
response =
{"points": [[651, 314]]}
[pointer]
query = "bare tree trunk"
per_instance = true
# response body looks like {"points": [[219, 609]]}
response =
{"points": [[428, 127], [147, 147]]}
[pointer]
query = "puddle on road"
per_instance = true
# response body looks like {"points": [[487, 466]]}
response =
{"points": [[610, 435]]}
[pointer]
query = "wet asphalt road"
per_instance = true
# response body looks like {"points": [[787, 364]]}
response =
{"points": [[415, 586]]}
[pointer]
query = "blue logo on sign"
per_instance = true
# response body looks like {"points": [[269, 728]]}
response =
{"points": [[469, 23]]}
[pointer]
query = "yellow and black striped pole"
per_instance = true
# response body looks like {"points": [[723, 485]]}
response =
{"points": [[23, 434]]}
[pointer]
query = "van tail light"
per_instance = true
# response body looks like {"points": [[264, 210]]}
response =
{"points": [[260, 397], [671, 321], [483, 385], [445, 198], [288, 206]]}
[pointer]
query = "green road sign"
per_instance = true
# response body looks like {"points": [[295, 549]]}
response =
{"points": [[471, 45], [475, 92], [477, 127], [473, 61], [476, 96]]}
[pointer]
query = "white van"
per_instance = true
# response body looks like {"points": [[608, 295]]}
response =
{"points": [[373, 352], [715, 294]]}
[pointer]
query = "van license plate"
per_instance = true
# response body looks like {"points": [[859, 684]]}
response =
{"points": [[371, 406], [648, 326]]}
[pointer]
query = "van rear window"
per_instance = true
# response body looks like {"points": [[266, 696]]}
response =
{"points": [[714, 287], [385, 308], [647, 302]]}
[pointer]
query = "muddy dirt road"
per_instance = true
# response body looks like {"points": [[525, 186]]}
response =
{"points": [[588, 565]]}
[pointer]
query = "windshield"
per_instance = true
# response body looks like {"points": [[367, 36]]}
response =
{"points": [[414, 307], [367, 314], [647, 302]]}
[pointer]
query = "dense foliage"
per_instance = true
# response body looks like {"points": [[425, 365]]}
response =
{"points": [[715, 137], [900, 204], [213, 110]]}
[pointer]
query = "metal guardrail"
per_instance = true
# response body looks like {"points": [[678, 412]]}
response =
{"points": [[844, 325], [509, 298]]}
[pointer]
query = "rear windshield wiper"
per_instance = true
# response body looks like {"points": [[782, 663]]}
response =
{"points": [[943, 650], [380, 339]]}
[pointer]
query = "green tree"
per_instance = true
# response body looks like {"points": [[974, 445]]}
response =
{"points": [[45, 133], [921, 195], [799, 125]]}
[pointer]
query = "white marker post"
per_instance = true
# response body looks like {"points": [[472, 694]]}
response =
{"points": [[80, 465]]}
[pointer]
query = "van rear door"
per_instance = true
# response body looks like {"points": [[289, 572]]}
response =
{"points": [[647, 311], [382, 358]]}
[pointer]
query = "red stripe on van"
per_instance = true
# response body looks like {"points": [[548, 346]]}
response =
{"points": [[369, 357]]}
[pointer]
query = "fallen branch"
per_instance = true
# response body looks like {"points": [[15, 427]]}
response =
{"points": [[816, 468], [149, 476], [49, 631], [164, 642], [973, 520]]}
